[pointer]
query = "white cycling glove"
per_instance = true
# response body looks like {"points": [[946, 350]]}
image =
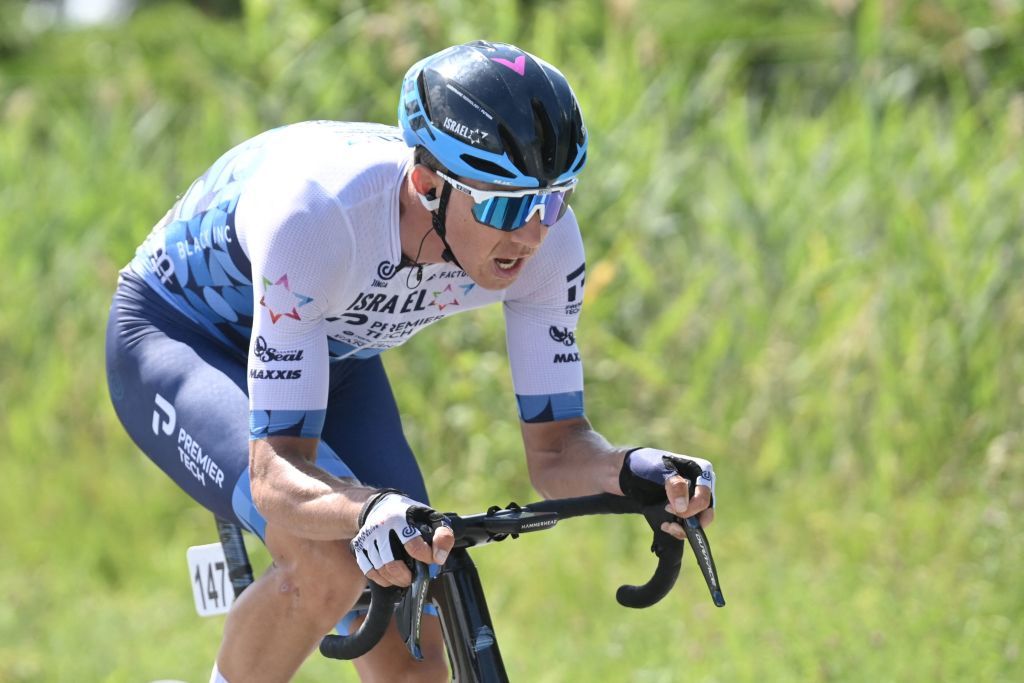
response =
{"points": [[384, 528]]}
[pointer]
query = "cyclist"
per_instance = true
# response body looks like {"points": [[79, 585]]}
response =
{"points": [[244, 338]]}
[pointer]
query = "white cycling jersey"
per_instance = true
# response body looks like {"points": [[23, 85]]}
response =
{"points": [[288, 248]]}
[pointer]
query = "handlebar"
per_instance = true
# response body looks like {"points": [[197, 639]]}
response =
{"points": [[382, 606], [497, 524]]}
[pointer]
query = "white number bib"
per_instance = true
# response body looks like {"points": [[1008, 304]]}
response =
{"points": [[211, 585]]}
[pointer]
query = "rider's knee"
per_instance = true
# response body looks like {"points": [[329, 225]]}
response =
{"points": [[436, 669], [433, 669], [390, 661], [320, 579]]}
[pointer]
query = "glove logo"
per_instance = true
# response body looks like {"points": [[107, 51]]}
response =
{"points": [[408, 532]]}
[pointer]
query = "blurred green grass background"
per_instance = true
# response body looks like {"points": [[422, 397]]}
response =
{"points": [[803, 221]]}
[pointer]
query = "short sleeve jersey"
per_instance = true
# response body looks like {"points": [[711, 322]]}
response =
{"points": [[287, 250]]}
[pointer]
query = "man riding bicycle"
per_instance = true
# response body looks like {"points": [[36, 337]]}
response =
{"points": [[244, 339]]}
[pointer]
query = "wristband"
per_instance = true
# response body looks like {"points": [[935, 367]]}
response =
{"points": [[364, 512]]}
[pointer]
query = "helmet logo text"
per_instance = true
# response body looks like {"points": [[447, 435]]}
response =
{"points": [[474, 136]]}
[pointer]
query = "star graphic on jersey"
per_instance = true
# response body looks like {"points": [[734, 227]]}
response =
{"points": [[280, 301], [439, 294]]}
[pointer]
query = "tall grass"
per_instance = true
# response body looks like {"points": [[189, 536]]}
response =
{"points": [[803, 224]]}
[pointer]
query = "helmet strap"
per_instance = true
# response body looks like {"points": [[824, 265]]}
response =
{"points": [[438, 218]]}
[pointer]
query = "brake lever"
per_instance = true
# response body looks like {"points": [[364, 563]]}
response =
{"points": [[409, 612], [697, 538], [702, 552]]}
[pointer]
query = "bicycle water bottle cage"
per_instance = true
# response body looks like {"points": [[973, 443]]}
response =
{"points": [[409, 612]]}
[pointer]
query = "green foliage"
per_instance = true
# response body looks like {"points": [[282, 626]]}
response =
{"points": [[803, 223]]}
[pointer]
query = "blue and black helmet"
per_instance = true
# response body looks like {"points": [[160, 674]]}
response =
{"points": [[494, 113]]}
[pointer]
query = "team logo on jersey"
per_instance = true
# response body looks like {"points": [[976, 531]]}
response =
{"points": [[164, 417], [386, 270], [562, 335], [268, 354], [255, 373], [574, 297], [448, 297], [280, 301]]}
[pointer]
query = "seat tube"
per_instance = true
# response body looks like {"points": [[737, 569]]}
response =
{"points": [[239, 569], [466, 622]]}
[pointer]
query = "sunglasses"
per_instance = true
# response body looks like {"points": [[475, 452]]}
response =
{"points": [[510, 210]]}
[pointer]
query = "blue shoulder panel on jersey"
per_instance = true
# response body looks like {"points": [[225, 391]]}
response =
{"points": [[304, 423], [241, 497], [550, 407], [339, 350]]}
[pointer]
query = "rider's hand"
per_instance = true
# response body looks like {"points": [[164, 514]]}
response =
{"points": [[646, 477], [385, 529]]}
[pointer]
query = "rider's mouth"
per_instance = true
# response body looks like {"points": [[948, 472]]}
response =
{"points": [[508, 267]]}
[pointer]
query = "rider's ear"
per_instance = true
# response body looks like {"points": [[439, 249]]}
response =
{"points": [[422, 181]]}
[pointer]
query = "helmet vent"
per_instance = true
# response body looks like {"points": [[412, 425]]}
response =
{"points": [[421, 86], [577, 124], [485, 166], [511, 148], [545, 133], [578, 167]]}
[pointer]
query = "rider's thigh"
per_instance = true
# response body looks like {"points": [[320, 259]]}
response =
{"points": [[320, 579], [390, 660], [180, 395]]}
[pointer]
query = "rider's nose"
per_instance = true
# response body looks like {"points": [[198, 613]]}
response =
{"points": [[531, 234]]}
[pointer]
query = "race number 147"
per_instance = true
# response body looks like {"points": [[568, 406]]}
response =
{"points": [[208, 573]]}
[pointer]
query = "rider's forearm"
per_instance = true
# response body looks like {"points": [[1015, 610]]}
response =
{"points": [[291, 492], [579, 462]]}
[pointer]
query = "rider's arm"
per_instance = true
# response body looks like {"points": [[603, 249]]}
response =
{"points": [[293, 493], [568, 458], [299, 245], [565, 456]]}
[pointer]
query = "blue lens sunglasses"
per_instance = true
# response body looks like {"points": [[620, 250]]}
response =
{"points": [[510, 210]]}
